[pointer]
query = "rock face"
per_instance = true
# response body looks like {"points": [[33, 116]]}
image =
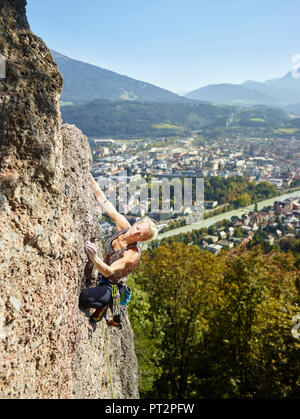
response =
{"points": [[47, 213]]}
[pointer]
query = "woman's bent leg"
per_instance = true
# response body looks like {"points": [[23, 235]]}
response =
{"points": [[97, 297]]}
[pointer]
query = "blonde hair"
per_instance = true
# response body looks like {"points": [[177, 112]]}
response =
{"points": [[152, 228]]}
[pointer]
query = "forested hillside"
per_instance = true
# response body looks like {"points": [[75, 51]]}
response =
{"points": [[216, 326], [127, 119]]}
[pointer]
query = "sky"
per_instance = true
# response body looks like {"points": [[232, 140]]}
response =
{"points": [[179, 45]]}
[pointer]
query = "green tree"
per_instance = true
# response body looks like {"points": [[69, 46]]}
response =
{"points": [[178, 280], [148, 337], [217, 327]]}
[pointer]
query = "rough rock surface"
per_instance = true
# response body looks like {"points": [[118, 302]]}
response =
{"points": [[47, 213]]}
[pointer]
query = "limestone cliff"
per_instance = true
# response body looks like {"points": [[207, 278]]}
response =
{"points": [[47, 213]]}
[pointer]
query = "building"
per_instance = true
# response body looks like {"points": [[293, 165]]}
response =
{"points": [[214, 248]]}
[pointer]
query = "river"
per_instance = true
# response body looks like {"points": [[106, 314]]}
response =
{"points": [[226, 215]]}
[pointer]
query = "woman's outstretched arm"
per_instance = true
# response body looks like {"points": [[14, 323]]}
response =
{"points": [[119, 219]]}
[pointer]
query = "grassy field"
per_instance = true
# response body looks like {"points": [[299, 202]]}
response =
{"points": [[128, 96], [287, 130], [257, 120], [167, 126]]}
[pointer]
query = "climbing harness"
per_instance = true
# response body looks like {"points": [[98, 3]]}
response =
{"points": [[118, 300], [108, 363], [102, 280]]}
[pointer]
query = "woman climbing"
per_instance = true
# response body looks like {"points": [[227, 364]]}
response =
{"points": [[122, 256]]}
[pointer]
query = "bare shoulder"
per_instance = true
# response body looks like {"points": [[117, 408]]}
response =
{"points": [[131, 255]]}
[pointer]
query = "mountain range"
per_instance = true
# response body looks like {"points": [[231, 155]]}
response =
{"points": [[104, 103], [283, 92], [85, 82]]}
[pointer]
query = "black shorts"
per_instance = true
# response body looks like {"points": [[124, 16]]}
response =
{"points": [[97, 297]]}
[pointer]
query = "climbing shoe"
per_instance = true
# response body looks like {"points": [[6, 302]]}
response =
{"points": [[115, 324], [99, 314]]}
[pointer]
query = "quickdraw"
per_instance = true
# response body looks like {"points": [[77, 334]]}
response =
{"points": [[116, 300], [116, 308]]}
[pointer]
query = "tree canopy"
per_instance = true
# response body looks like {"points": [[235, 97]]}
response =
{"points": [[216, 326]]}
